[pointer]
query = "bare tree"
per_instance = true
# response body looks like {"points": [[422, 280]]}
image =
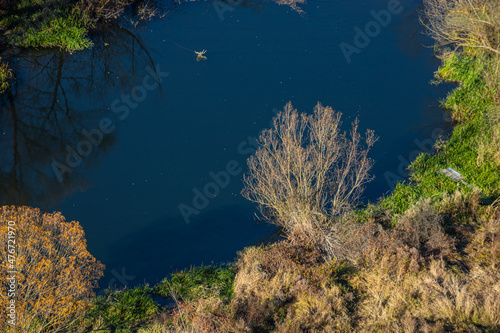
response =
{"points": [[464, 23], [307, 171]]}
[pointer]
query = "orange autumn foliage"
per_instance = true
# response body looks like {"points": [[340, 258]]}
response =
{"points": [[55, 272]]}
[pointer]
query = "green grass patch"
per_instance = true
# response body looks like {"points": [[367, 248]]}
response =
{"points": [[122, 311], [64, 33], [5, 76], [468, 103], [47, 24], [199, 282], [473, 96]]}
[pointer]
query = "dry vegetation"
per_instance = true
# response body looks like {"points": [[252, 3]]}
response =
{"points": [[433, 266], [308, 172], [417, 277], [435, 270], [464, 23], [55, 272]]}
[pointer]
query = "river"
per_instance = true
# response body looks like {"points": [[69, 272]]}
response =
{"points": [[147, 152]]}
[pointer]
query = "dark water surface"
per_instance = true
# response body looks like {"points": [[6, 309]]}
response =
{"points": [[163, 148]]}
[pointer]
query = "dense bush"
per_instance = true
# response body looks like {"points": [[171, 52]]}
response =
{"points": [[55, 272]]}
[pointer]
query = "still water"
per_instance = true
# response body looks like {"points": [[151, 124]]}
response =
{"points": [[147, 149]]}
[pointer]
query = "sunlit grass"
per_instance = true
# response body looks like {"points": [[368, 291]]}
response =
{"points": [[198, 282], [5, 76], [468, 105], [63, 33], [47, 25], [121, 311]]}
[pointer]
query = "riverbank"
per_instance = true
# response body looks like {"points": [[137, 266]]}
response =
{"points": [[62, 24], [425, 258]]}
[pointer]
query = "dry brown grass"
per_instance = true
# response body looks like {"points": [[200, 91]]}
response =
{"points": [[291, 288], [417, 277], [464, 23], [417, 280], [204, 315]]}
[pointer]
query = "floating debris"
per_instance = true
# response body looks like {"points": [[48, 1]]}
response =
{"points": [[200, 56]]}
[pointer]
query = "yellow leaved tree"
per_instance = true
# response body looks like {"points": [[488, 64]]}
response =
{"points": [[45, 268]]}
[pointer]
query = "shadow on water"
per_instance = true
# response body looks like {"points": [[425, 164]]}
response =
{"points": [[214, 238], [56, 95], [57, 98]]}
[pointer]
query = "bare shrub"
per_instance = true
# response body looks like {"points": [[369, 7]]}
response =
{"points": [[307, 170], [464, 23]]}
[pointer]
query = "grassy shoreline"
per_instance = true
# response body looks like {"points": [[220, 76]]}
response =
{"points": [[60, 24], [425, 258]]}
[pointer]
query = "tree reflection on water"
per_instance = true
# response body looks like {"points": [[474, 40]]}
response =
{"points": [[56, 96]]}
